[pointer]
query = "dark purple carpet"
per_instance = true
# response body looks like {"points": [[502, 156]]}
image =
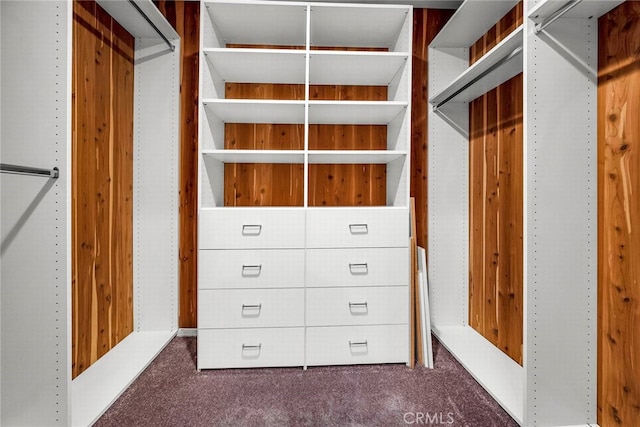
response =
{"points": [[171, 392]]}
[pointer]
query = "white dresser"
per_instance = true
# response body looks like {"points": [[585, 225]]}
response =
{"points": [[304, 184]]}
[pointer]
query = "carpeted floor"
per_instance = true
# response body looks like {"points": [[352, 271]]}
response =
{"points": [[171, 392]]}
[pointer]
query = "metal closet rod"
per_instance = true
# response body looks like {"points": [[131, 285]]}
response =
{"points": [[556, 15], [480, 76], [27, 170], [144, 15]]}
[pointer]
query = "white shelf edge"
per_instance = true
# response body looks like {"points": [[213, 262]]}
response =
{"points": [[496, 372], [472, 19], [240, 51], [501, 50], [93, 391], [257, 156], [354, 156], [134, 23], [252, 101], [585, 9]]}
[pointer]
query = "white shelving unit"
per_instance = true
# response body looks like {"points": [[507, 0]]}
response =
{"points": [[311, 36], [557, 383], [36, 385]]}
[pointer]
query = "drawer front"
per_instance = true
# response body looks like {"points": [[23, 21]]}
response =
{"points": [[251, 228], [250, 348], [250, 308], [357, 306], [219, 269], [346, 345], [358, 267], [357, 228]]}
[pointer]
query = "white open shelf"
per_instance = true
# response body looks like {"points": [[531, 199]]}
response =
{"points": [[256, 156], [354, 112], [472, 19], [495, 78], [345, 25], [495, 371], [134, 23], [260, 24], [354, 156], [256, 111], [584, 9], [258, 65], [355, 68]]}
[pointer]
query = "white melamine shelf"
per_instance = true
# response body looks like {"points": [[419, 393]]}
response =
{"points": [[472, 19], [495, 371], [134, 22], [355, 68], [259, 23], [354, 156], [256, 111], [584, 9], [495, 78], [256, 156], [93, 391], [354, 112], [345, 25], [258, 65]]}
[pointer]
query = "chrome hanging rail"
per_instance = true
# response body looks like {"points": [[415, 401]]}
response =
{"points": [[480, 76], [144, 15], [26, 170], [556, 15]]}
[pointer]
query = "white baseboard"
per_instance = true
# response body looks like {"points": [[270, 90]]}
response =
{"points": [[188, 332]]}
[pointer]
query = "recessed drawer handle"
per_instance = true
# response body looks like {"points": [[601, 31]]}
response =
{"points": [[358, 305], [257, 347], [252, 307], [251, 270], [358, 343], [251, 229], [359, 268], [358, 228]]}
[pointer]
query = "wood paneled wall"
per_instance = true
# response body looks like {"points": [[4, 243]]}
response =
{"points": [[619, 217], [102, 184], [496, 203]]}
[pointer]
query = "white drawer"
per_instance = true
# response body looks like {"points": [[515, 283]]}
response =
{"points": [[250, 308], [345, 345], [357, 306], [357, 267], [250, 348], [361, 227], [273, 268], [251, 228]]}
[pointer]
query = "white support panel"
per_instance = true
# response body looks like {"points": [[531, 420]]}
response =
{"points": [[356, 26], [584, 9], [560, 234], [258, 65], [156, 186], [35, 213], [354, 112], [256, 111], [94, 390], [472, 19], [354, 156], [272, 23], [132, 21], [355, 68], [471, 77], [256, 156], [495, 371]]}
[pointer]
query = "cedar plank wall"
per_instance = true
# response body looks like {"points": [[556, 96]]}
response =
{"points": [[619, 217], [185, 18], [102, 184], [495, 203]]}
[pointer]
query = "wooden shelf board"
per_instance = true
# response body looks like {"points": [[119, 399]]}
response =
{"points": [[262, 24], [256, 111], [258, 65], [495, 371], [493, 79], [355, 68], [93, 391], [256, 156], [354, 112], [585, 9], [472, 19], [354, 156], [345, 25]]}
